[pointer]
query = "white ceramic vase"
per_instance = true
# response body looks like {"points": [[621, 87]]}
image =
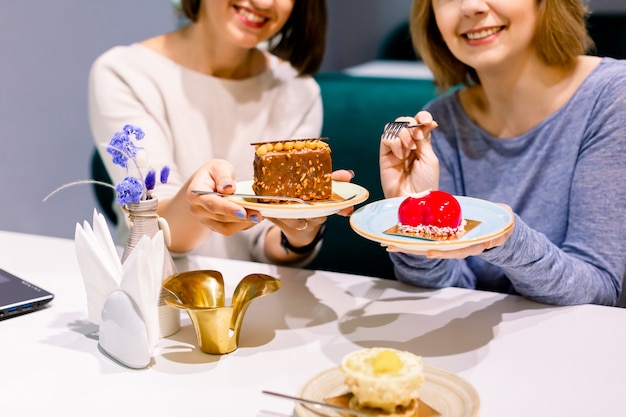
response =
{"points": [[144, 220]]}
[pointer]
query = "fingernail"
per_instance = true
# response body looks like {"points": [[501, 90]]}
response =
{"points": [[351, 173], [241, 214], [227, 186], [254, 218]]}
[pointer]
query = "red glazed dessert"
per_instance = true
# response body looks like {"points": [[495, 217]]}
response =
{"points": [[432, 215]]}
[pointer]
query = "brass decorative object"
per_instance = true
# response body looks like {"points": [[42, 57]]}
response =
{"points": [[201, 294]]}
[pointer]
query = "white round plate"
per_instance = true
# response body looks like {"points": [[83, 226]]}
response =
{"points": [[371, 221], [443, 391], [301, 211]]}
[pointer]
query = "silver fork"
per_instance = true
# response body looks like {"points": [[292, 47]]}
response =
{"points": [[392, 130], [271, 197], [254, 196]]}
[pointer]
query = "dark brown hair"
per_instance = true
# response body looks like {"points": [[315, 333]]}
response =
{"points": [[302, 41], [560, 36]]}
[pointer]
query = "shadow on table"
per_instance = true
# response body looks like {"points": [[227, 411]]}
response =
{"points": [[462, 331], [294, 306], [456, 328], [297, 306]]}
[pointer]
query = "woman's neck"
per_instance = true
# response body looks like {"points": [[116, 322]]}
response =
{"points": [[195, 49], [510, 105]]}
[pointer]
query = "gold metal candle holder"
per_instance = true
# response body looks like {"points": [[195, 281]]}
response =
{"points": [[201, 294]]}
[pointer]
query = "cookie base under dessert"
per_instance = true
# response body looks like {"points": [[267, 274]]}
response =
{"points": [[417, 408]]}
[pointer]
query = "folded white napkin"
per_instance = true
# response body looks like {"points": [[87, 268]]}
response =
{"points": [[103, 273]]}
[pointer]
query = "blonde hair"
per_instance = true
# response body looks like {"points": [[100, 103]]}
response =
{"points": [[560, 36]]}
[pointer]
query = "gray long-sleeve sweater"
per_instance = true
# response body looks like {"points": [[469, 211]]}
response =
{"points": [[565, 179]]}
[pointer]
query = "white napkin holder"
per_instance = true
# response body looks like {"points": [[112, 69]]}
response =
{"points": [[121, 298], [123, 333]]}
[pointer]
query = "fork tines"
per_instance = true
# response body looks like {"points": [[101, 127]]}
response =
{"points": [[392, 130]]}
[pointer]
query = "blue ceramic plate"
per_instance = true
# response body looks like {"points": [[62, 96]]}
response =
{"points": [[372, 220]]}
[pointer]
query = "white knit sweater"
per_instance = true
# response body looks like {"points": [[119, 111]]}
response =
{"points": [[190, 118]]}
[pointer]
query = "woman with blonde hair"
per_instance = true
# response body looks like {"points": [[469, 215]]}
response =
{"points": [[529, 121]]}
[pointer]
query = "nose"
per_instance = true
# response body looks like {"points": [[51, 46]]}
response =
{"points": [[473, 7]]}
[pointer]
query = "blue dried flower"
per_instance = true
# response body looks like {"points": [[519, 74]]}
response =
{"points": [[150, 180], [134, 130], [129, 190], [165, 173], [122, 149]]}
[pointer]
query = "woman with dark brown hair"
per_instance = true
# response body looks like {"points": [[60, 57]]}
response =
{"points": [[532, 123], [239, 72]]}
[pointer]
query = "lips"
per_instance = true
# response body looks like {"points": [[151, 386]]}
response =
{"points": [[482, 34], [251, 18]]}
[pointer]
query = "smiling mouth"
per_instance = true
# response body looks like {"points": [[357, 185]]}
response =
{"points": [[474, 36], [248, 15]]}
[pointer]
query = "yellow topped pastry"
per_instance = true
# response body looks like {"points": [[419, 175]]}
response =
{"points": [[387, 361], [383, 378]]}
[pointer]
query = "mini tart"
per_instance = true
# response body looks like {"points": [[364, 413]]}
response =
{"points": [[384, 378]]}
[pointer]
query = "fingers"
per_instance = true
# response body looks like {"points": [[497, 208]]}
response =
{"points": [[221, 215], [401, 144], [425, 119], [344, 175], [441, 254], [221, 209], [408, 139], [299, 232], [400, 148], [215, 175], [223, 174], [215, 212], [346, 212], [300, 225]]}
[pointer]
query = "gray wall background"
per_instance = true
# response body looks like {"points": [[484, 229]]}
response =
{"points": [[46, 49]]}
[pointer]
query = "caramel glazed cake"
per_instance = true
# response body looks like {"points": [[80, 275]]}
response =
{"points": [[300, 168]]}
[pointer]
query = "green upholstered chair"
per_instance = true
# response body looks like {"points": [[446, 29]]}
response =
{"points": [[105, 196], [355, 112]]}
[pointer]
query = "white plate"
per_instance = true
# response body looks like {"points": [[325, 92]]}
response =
{"points": [[443, 391], [301, 211], [372, 220]]}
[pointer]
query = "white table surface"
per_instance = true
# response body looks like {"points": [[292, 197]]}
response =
{"points": [[524, 359]]}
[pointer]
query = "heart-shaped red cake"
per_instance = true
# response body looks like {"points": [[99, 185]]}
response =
{"points": [[431, 215]]}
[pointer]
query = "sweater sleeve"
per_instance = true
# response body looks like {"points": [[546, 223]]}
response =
{"points": [[546, 273], [432, 273], [119, 96]]}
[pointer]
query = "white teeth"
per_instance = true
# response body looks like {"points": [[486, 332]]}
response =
{"points": [[482, 34], [251, 16]]}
